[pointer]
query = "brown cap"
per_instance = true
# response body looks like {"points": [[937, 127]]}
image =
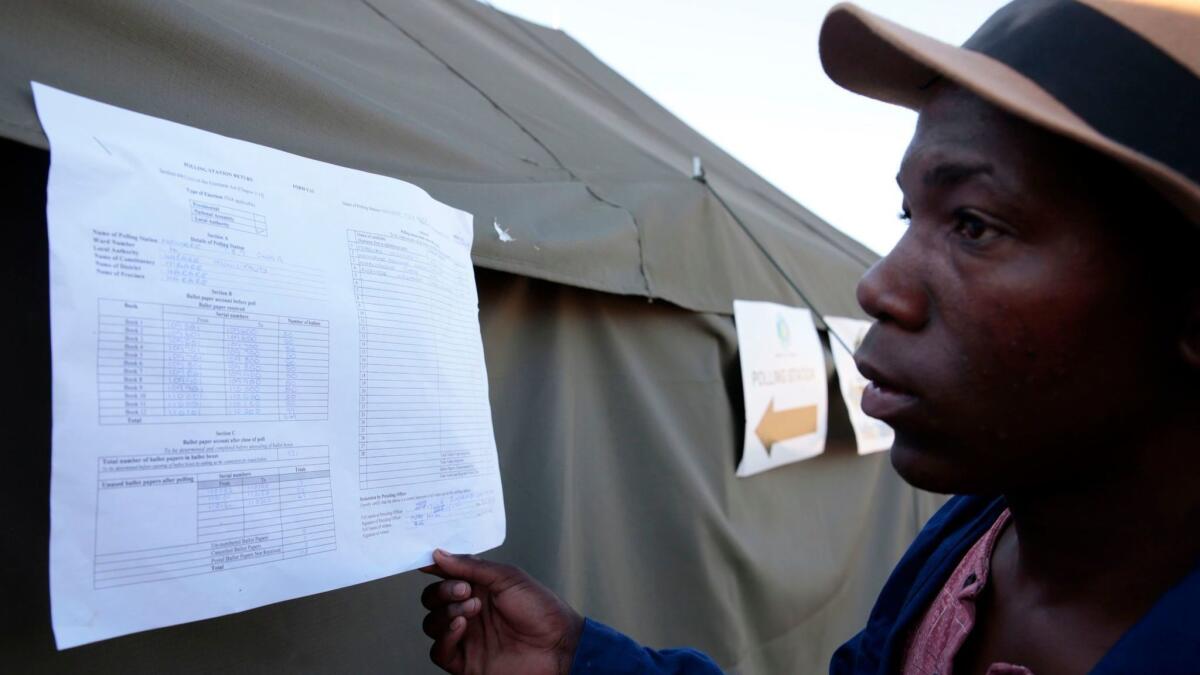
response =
{"points": [[1120, 76]]}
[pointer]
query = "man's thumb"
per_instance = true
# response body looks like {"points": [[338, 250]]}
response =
{"points": [[468, 568]]}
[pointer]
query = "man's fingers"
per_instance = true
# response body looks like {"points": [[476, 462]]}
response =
{"points": [[476, 570], [438, 621], [445, 652], [437, 594]]}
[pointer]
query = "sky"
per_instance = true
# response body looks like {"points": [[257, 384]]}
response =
{"points": [[745, 73]]}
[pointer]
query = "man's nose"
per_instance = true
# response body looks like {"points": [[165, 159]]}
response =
{"points": [[893, 290]]}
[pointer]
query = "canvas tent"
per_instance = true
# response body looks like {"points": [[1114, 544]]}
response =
{"points": [[618, 419]]}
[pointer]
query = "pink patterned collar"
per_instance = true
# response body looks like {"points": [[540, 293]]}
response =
{"points": [[951, 616]]}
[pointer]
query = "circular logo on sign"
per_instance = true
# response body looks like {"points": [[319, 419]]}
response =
{"points": [[783, 331]]}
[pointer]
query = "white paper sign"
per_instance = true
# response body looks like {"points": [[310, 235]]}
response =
{"points": [[784, 386], [268, 375], [870, 434]]}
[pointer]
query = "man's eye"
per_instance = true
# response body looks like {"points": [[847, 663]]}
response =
{"points": [[974, 228]]}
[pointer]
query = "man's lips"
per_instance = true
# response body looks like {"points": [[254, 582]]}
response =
{"points": [[884, 398], [886, 404]]}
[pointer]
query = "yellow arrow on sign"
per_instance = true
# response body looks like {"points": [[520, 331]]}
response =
{"points": [[780, 425]]}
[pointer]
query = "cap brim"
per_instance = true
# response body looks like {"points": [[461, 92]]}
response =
{"points": [[878, 58]]}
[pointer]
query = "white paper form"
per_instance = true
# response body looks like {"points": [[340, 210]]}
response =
{"points": [[268, 375]]}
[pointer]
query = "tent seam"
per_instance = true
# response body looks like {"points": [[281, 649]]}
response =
{"points": [[566, 63], [825, 236], [776, 264], [495, 104], [637, 228]]}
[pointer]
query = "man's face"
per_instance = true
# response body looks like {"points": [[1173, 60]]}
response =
{"points": [[1015, 339]]}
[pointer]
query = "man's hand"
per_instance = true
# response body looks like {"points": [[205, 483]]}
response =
{"points": [[486, 618]]}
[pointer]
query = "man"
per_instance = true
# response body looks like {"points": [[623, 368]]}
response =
{"points": [[1037, 348]]}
